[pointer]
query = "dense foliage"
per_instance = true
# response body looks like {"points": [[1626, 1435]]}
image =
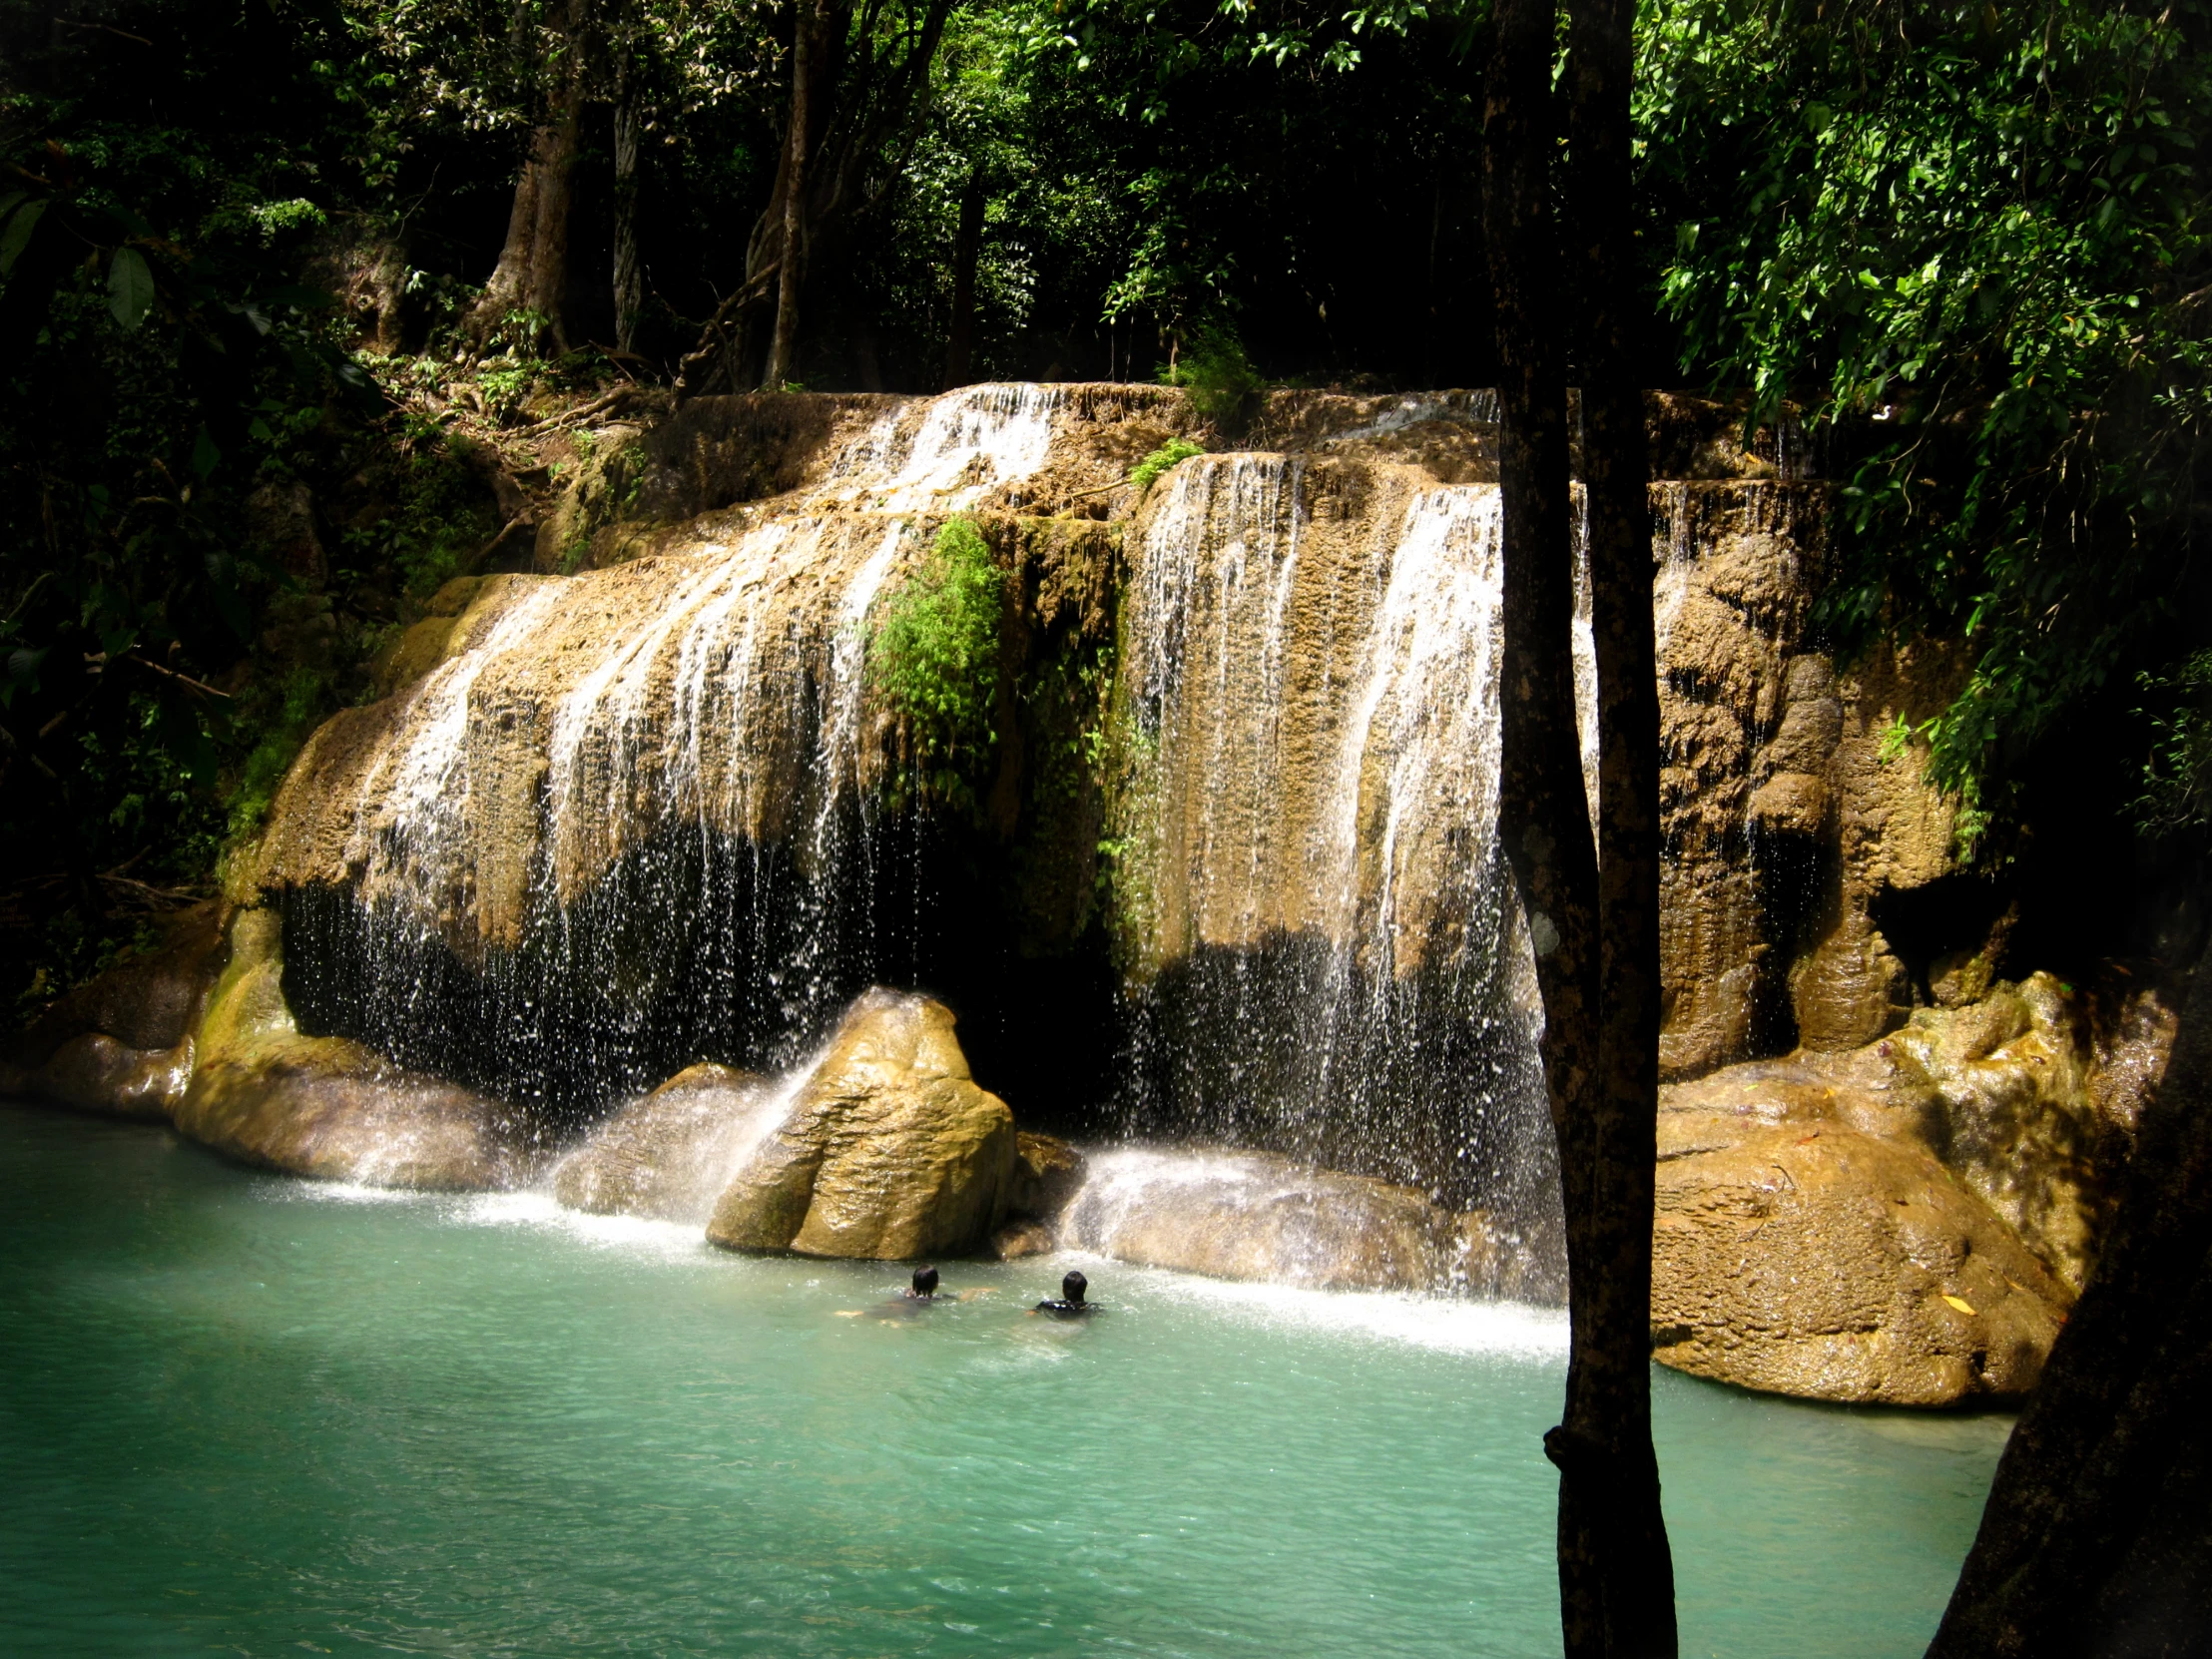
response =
{"points": [[1975, 240]]}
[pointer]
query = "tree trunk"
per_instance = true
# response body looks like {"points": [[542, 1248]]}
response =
{"points": [[1613, 1524], [783, 346], [967, 244], [2097, 1537], [532, 274], [629, 272], [1616, 1584]]}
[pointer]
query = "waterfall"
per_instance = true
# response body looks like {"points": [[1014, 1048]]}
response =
{"points": [[637, 820], [1324, 921], [632, 822]]}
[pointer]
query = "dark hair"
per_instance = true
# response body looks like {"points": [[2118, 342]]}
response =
{"points": [[925, 1280], [1073, 1286]]}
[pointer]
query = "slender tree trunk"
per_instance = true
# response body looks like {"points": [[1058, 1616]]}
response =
{"points": [[784, 346], [1613, 1520], [2097, 1536], [629, 272], [967, 244], [1615, 1584]]}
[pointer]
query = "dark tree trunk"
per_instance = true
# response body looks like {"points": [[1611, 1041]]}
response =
{"points": [[1611, 1523], [1615, 1579], [532, 274], [629, 272], [806, 49], [967, 244], [2098, 1539]]}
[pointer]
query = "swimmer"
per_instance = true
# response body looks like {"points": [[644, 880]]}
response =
{"points": [[1069, 1304], [925, 1287]]}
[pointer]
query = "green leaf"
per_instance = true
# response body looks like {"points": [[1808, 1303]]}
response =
{"points": [[205, 455], [130, 287], [17, 236]]}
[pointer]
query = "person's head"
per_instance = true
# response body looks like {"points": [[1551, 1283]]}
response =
{"points": [[925, 1280], [1073, 1286]]}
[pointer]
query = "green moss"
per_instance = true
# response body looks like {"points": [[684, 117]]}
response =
{"points": [[1170, 454], [933, 659]]}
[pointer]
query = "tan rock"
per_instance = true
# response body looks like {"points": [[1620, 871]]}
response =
{"points": [[414, 654], [327, 1107], [890, 1150], [1825, 1263], [1850, 988], [668, 1154], [1255, 1216]]}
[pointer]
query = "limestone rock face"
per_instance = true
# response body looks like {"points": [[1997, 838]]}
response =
{"points": [[1999, 1092], [1255, 1216], [889, 1151], [671, 1153], [327, 1107], [1823, 1263]]}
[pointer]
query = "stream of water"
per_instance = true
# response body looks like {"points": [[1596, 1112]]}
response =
{"points": [[252, 1415]]}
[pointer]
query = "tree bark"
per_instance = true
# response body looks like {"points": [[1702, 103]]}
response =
{"points": [[2097, 1536], [968, 245], [1600, 1063], [629, 270], [532, 274], [783, 345], [1614, 1524]]}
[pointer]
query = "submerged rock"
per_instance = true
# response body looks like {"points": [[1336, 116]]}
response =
{"points": [[889, 1151], [327, 1107], [670, 1154], [1250, 1215]]}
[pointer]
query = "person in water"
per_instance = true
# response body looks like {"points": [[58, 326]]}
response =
{"points": [[1070, 1304], [925, 1287]]}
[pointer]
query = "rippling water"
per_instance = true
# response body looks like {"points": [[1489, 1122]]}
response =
{"points": [[247, 1414]]}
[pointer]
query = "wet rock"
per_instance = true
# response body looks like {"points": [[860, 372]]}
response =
{"points": [[670, 1154], [419, 649], [1047, 1173], [123, 1043], [1255, 1216], [889, 1151], [1501, 1260], [95, 1073], [1023, 1238], [325, 1107], [1825, 1263]]}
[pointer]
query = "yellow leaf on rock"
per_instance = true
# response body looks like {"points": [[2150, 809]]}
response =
{"points": [[1959, 1303]]}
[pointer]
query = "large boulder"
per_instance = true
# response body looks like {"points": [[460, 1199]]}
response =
{"points": [[1250, 1215], [123, 1042], [1797, 1253], [670, 1154], [264, 1092], [890, 1150]]}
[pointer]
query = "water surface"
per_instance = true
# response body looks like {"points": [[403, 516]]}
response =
{"points": [[250, 1414]]}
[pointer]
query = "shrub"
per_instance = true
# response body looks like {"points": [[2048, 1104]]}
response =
{"points": [[1169, 456], [933, 659], [1215, 372]]}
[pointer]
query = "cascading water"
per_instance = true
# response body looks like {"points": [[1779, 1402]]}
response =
{"points": [[1314, 884], [637, 820], [630, 824]]}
